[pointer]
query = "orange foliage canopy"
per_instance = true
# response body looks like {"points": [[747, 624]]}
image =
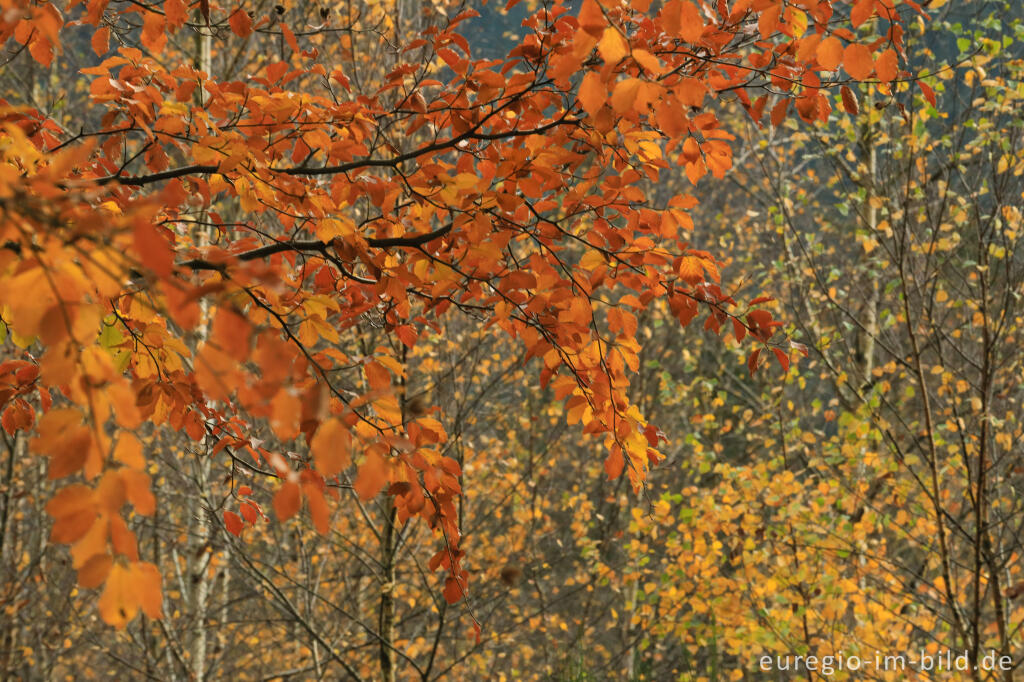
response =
{"points": [[504, 189]]}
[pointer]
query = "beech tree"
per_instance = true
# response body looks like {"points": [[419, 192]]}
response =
{"points": [[257, 223]]}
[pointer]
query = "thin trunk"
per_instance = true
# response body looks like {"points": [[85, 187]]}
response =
{"points": [[200, 557], [387, 600]]}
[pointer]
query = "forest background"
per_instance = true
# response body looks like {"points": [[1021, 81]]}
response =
{"points": [[228, 513]]}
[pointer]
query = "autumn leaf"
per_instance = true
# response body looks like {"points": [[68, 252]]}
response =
{"points": [[100, 41], [233, 522], [861, 11], [287, 500], [330, 447], [592, 93], [591, 18], [830, 53], [373, 473], [849, 100], [290, 228], [857, 61], [73, 510], [887, 65], [612, 46], [240, 23], [624, 94], [129, 451], [128, 589], [691, 26]]}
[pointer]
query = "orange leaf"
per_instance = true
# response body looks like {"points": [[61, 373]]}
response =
{"points": [[101, 41], [137, 490], [691, 26], [17, 417], [215, 372], [373, 474], [127, 589], [151, 248], [286, 501], [752, 361], [231, 334], [778, 114], [613, 46], [65, 439], [592, 94], [810, 107], [861, 12], [118, 604], [289, 38], [691, 91], [48, 22], [691, 149], [691, 270], [123, 539], [233, 522], [648, 61], [377, 376], [406, 334], [830, 53], [782, 358], [857, 61], [591, 18], [176, 12], [927, 91], [453, 591], [153, 37], [624, 95], [240, 23], [671, 16], [768, 22], [93, 543], [94, 571], [330, 447], [849, 100], [614, 463], [887, 66], [73, 510], [41, 50], [148, 588], [110, 493], [250, 511], [129, 451]]}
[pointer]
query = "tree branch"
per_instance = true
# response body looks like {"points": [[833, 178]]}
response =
{"points": [[317, 246]]}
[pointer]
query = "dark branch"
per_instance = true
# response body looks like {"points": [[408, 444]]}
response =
{"points": [[317, 246], [200, 169]]}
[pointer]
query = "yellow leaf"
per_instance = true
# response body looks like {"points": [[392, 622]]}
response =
{"points": [[329, 228]]}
